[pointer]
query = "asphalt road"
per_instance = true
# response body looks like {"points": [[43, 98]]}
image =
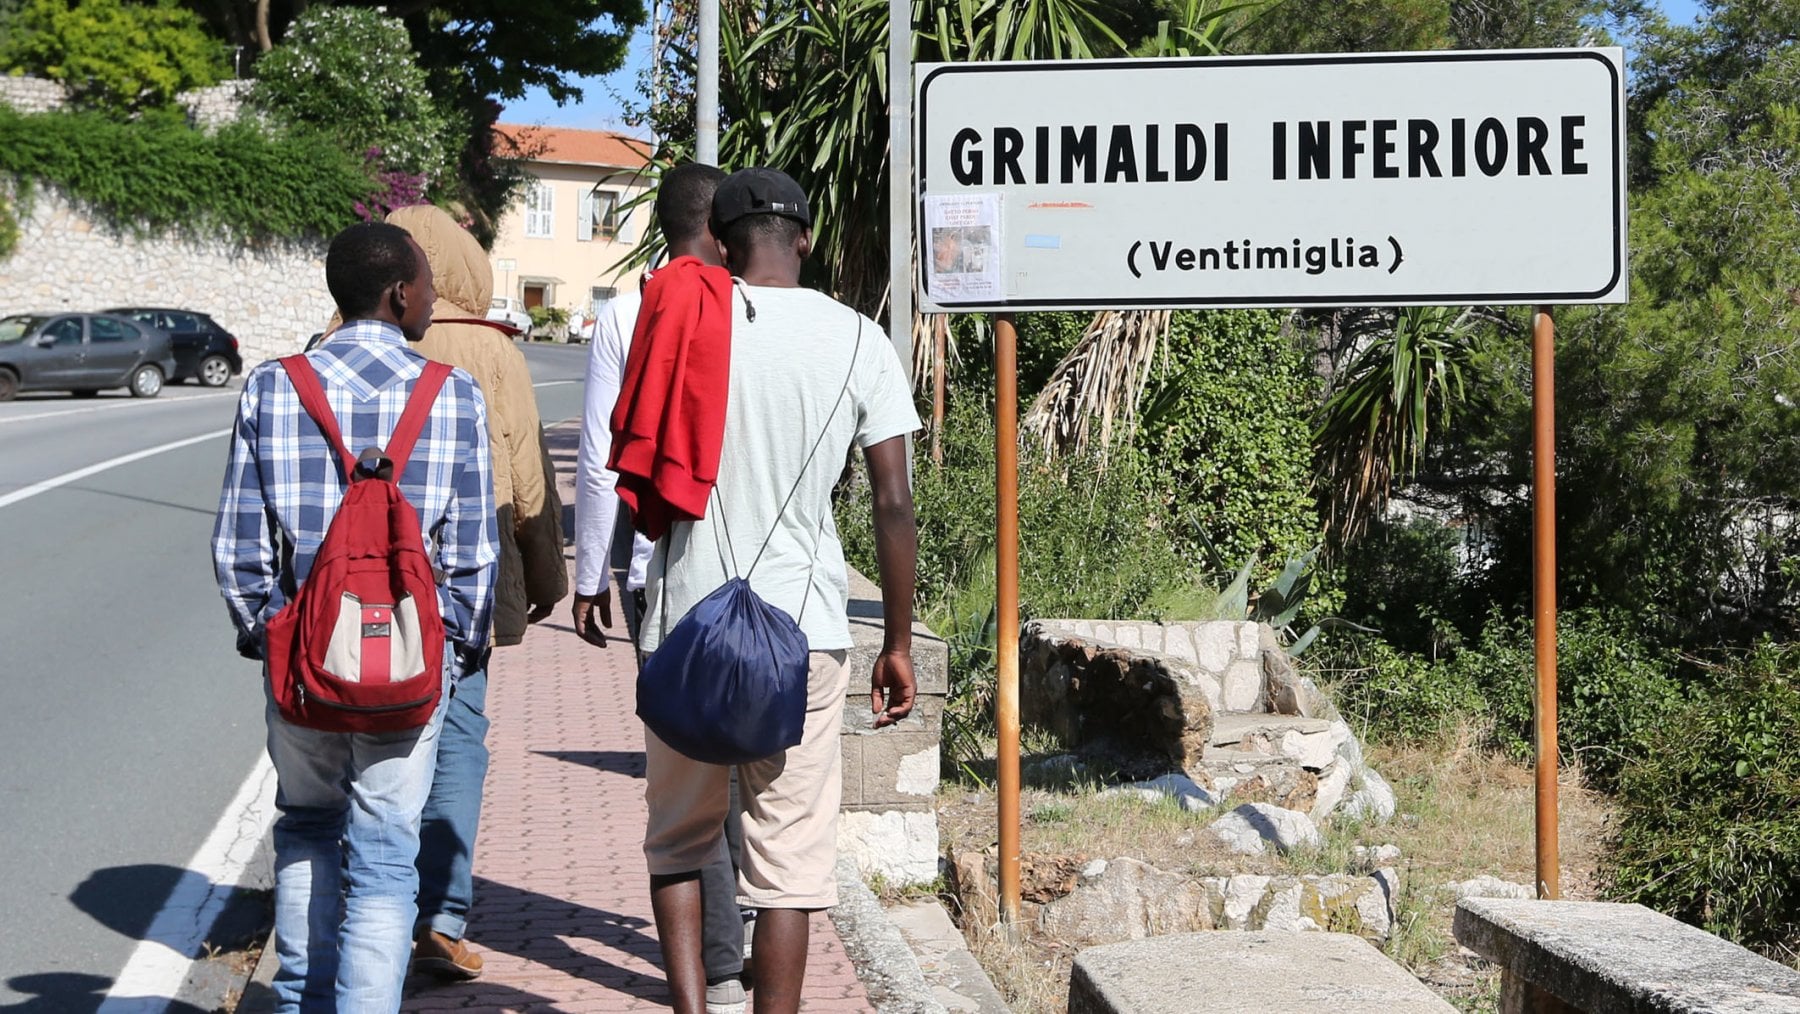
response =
{"points": [[127, 721]]}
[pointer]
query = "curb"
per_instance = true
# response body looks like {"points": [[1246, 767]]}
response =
{"points": [[889, 966]]}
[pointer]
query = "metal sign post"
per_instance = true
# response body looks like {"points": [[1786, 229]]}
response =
{"points": [[1543, 537], [1006, 585]]}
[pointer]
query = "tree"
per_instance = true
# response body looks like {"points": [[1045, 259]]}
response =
{"points": [[349, 73], [113, 56], [1678, 439], [473, 49]]}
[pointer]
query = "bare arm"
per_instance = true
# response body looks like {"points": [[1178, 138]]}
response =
{"points": [[896, 554]]}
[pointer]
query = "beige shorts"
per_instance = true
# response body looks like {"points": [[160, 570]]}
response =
{"points": [[790, 805]]}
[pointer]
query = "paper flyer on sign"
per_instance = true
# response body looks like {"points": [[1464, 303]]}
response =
{"points": [[963, 240]]}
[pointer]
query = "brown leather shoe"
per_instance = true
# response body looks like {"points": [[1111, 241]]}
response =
{"points": [[438, 955]]}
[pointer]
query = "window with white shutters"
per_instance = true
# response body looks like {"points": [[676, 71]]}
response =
{"points": [[540, 211]]}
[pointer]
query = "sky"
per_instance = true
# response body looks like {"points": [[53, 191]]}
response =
{"points": [[599, 107]]}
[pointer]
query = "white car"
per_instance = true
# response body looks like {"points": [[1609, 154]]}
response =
{"points": [[508, 310]]}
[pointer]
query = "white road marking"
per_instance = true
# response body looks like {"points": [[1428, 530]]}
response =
{"points": [[159, 965], [110, 406], [554, 383], [81, 473]]}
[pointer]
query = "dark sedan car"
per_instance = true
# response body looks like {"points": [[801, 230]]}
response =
{"points": [[203, 350], [81, 353]]}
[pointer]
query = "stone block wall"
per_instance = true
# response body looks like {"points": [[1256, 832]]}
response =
{"points": [[272, 298], [207, 108], [889, 821], [32, 94]]}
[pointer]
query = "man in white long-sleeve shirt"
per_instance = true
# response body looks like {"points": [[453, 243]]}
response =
{"points": [[683, 207]]}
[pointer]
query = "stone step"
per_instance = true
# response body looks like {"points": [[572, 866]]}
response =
{"points": [[1306, 741]]}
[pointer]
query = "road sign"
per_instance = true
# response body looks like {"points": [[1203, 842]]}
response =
{"points": [[1359, 180]]}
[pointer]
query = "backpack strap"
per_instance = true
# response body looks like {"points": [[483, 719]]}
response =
{"points": [[418, 409], [312, 399]]}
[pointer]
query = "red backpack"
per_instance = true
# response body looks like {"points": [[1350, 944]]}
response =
{"points": [[360, 648]]}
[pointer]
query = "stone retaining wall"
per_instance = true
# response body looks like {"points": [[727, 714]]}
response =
{"points": [[888, 825], [272, 298], [32, 94]]}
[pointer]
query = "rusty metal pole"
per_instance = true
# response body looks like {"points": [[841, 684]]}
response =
{"points": [[940, 348], [1006, 582], [1543, 537]]}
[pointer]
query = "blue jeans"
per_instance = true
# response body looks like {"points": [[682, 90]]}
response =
{"points": [[453, 811], [344, 849]]}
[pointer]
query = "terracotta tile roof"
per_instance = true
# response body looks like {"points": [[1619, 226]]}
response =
{"points": [[578, 147]]}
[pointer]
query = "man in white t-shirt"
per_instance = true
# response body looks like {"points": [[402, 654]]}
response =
{"points": [[683, 207], [810, 379]]}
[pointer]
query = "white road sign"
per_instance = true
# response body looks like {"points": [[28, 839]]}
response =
{"points": [[1391, 179]]}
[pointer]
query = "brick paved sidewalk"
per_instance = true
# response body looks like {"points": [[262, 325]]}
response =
{"points": [[562, 899]]}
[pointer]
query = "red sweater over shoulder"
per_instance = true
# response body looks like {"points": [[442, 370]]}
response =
{"points": [[669, 423]]}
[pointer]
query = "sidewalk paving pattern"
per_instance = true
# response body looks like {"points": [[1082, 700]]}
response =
{"points": [[562, 900]]}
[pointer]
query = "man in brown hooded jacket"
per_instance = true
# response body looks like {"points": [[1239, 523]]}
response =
{"points": [[533, 575]]}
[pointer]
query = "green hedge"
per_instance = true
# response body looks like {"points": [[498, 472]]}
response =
{"points": [[158, 174]]}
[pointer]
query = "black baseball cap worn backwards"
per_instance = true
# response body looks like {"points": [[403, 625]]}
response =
{"points": [[759, 191]]}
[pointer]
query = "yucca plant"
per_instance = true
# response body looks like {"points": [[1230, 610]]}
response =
{"points": [[1406, 372]]}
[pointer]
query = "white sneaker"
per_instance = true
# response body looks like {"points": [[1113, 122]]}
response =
{"points": [[725, 997]]}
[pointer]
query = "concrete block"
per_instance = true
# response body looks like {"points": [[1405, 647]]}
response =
{"points": [[898, 767], [1245, 973], [900, 845], [1599, 956], [852, 747], [1130, 635], [1179, 642], [927, 716]]}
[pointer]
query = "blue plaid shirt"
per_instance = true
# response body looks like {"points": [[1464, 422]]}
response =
{"points": [[284, 482]]}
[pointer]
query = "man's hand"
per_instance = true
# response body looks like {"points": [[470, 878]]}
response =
{"points": [[893, 679], [538, 613], [583, 614]]}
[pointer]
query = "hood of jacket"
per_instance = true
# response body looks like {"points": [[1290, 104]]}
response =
{"points": [[459, 266]]}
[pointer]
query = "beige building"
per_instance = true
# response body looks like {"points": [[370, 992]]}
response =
{"points": [[561, 242]]}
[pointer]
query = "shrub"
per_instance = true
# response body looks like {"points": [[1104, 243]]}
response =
{"points": [[1708, 826], [1401, 578], [1226, 426], [1614, 690], [1396, 695], [351, 72], [160, 175], [113, 56]]}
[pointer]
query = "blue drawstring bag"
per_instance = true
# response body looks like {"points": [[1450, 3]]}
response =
{"points": [[727, 685]]}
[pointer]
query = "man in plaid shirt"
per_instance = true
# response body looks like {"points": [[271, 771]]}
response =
{"points": [[338, 951]]}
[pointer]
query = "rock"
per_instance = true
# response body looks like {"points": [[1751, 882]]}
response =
{"points": [[1487, 886], [1332, 785], [1248, 829], [1085, 691], [1055, 770], [1374, 801], [1282, 693], [1376, 907], [1193, 797], [1128, 900], [1243, 894], [1093, 870], [1282, 910], [977, 887], [1379, 855]]}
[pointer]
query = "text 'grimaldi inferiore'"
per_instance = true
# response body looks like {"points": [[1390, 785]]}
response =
{"points": [[1298, 150]]}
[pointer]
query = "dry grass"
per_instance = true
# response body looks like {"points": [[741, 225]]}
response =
{"points": [[1463, 812]]}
